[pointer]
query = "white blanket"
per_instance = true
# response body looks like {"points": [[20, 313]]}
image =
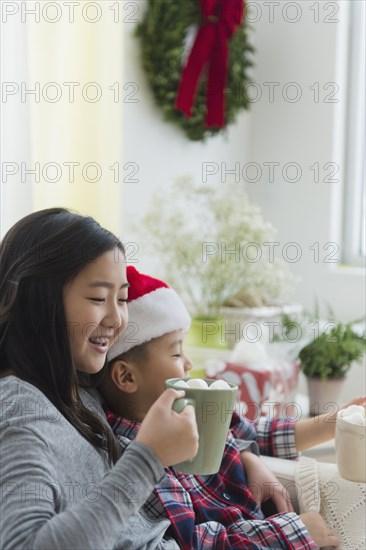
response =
{"points": [[340, 502], [317, 487]]}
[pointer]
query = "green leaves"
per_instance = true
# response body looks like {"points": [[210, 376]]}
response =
{"points": [[162, 33], [330, 354]]}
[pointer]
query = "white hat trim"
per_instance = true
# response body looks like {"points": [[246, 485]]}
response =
{"points": [[150, 316]]}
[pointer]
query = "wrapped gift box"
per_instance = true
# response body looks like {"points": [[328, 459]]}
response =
{"points": [[266, 389]]}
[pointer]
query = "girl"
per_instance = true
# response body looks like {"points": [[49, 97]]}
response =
{"points": [[63, 294]]}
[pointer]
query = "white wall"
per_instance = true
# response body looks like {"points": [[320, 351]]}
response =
{"points": [[306, 132], [309, 51], [276, 130], [160, 150]]}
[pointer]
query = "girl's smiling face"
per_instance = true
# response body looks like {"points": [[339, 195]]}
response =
{"points": [[95, 304]]}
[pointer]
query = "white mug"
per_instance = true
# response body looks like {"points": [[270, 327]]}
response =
{"points": [[351, 449]]}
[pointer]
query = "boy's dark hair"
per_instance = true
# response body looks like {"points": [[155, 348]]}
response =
{"points": [[136, 354], [38, 256]]}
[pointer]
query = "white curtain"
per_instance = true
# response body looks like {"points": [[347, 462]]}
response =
{"points": [[73, 79]]}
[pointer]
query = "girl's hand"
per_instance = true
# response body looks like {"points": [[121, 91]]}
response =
{"points": [[263, 484], [171, 436]]}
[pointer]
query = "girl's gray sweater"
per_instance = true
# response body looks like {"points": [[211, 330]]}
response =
{"points": [[58, 491]]}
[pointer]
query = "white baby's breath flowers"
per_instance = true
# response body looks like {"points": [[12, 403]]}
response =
{"points": [[210, 245]]}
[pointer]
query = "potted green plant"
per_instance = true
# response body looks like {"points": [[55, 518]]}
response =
{"points": [[210, 242], [326, 360]]}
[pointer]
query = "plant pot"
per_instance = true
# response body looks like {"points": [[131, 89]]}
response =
{"points": [[239, 319], [207, 332], [205, 341], [324, 394]]}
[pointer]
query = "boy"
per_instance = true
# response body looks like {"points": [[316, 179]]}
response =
{"points": [[217, 511]]}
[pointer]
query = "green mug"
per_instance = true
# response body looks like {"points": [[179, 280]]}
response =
{"points": [[214, 409]]}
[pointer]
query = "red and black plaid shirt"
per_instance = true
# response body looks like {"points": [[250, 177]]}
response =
{"points": [[218, 511]]}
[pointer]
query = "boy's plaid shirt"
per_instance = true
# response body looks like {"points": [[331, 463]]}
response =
{"points": [[219, 511]]}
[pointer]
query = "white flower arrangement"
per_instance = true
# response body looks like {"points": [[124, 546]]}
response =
{"points": [[210, 245]]}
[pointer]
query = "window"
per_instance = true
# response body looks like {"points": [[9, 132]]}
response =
{"points": [[355, 175]]}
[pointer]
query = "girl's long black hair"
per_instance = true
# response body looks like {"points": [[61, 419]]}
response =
{"points": [[38, 256]]}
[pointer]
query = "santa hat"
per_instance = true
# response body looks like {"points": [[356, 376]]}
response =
{"points": [[154, 309]]}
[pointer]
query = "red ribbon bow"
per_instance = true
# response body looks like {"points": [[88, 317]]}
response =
{"points": [[221, 19]]}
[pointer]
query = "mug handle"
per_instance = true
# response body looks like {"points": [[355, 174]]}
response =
{"points": [[180, 403]]}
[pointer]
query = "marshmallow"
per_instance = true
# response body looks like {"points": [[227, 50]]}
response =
{"points": [[356, 418], [354, 414], [181, 384], [353, 409], [219, 385], [197, 383]]}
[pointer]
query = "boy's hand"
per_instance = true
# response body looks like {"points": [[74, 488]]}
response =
{"points": [[263, 484], [318, 530], [171, 436]]}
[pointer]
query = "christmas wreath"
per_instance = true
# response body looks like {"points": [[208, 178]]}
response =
{"points": [[201, 104]]}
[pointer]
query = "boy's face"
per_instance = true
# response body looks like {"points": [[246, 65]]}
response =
{"points": [[165, 360]]}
